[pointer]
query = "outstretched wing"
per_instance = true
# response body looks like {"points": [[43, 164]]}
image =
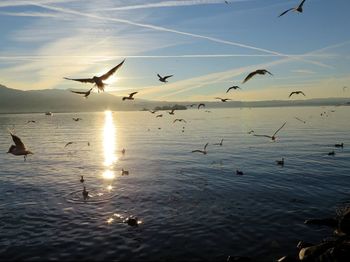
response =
{"points": [[111, 72], [301, 92], [286, 12], [249, 76], [301, 4], [266, 71], [80, 92], [279, 128], [228, 90], [166, 77], [132, 94], [262, 135], [292, 94], [194, 151], [82, 80], [18, 142], [159, 76], [205, 147], [201, 105]]}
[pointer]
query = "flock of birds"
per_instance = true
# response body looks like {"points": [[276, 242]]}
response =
{"points": [[19, 149]]}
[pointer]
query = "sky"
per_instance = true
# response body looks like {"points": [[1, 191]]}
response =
{"points": [[207, 45]]}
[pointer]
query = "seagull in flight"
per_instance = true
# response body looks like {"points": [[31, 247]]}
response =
{"points": [[232, 87], [98, 80], [297, 93], [31, 121], [130, 97], [86, 93], [161, 115], [179, 120], [256, 72], [299, 9], [297, 118], [152, 111], [163, 78], [171, 112], [223, 99], [18, 149], [77, 119], [204, 151], [199, 106], [273, 137], [219, 144], [69, 143]]}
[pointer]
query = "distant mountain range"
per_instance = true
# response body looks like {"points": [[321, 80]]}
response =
{"points": [[55, 100]]}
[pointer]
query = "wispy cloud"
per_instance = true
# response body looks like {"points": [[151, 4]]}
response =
{"points": [[163, 4], [165, 29]]}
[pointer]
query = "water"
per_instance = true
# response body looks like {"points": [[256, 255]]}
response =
{"points": [[192, 206]]}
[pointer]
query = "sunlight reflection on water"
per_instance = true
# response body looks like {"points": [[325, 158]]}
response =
{"points": [[109, 145]]}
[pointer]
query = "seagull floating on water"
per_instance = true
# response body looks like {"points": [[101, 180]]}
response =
{"points": [[130, 97], [273, 137], [332, 153], [280, 162], [339, 145], [124, 172], [82, 179], [85, 193], [299, 9], [239, 173], [204, 151], [85, 93], [98, 80], [164, 78], [256, 72], [18, 149]]}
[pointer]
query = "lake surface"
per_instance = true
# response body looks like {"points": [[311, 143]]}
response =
{"points": [[192, 206]]}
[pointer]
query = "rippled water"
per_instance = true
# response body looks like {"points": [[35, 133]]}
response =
{"points": [[192, 206]]}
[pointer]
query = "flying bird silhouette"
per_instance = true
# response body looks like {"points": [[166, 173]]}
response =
{"points": [[86, 93], [77, 119], [98, 80], [219, 144], [163, 78], [273, 137], [232, 87], [204, 151], [179, 120], [223, 99], [152, 111], [296, 93], [130, 97], [31, 121], [299, 9], [256, 72], [18, 149], [297, 118], [171, 112], [69, 143], [201, 105], [161, 115]]}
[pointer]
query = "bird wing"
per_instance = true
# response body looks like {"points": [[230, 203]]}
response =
{"points": [[262, 135], [266, 71], [292, 94], [69, 143], [218, 98], [165, 77], [159, 76], [201, 105], [132, 94], [286, 12], [205, 147], [80, 92], [228, 90], [279, 128], [83, 80], [249, 76], [18, 142], [176, 120], [301, 92], [111, 72], [194, 151], [301, 4]]}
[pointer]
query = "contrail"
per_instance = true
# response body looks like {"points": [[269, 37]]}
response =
{"points": [[169, 4], [164, 29]]}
